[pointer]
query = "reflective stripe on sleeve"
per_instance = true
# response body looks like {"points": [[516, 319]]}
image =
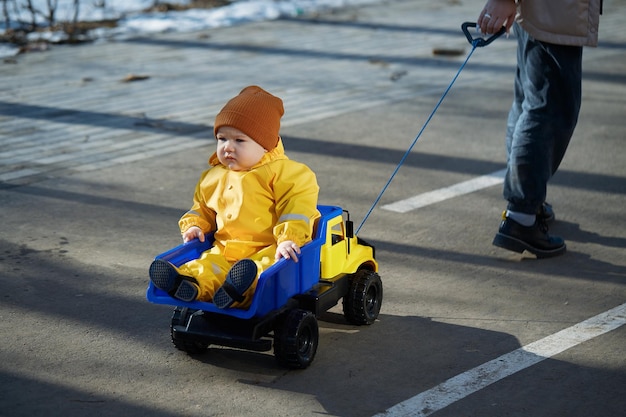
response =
{"points": [[287, 217]]}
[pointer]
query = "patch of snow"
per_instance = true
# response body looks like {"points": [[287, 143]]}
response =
{"points": [[132, 21]]}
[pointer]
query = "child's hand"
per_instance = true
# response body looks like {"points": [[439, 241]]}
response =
{"points": [[288, 250], [192, 233]]}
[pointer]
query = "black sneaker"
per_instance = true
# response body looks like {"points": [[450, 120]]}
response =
{"points": [[546, 213], [240, 277], [534, 239], [165, 277]]}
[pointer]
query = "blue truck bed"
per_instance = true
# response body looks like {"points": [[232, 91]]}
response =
{"points": [[276, 285]]}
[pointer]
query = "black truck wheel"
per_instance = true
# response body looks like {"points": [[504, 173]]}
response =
{"points": [[180, 317], [296, 336], [362, 303]]}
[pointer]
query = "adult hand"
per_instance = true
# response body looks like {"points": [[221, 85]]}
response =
{"points": [[495, 14], [192, 233], [288, 250]]}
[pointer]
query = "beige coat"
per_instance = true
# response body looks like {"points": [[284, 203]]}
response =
{"points": [[562, 22]]}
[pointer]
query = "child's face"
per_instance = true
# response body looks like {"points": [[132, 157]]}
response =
{"points": [[236, 150]]}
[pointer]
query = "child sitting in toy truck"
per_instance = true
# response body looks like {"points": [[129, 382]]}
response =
{"points": [[260, 204]]}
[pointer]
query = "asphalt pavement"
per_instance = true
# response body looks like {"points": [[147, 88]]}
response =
{"points": [[100, 149]]}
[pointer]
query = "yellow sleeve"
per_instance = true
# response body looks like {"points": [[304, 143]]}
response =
{"points": [[296, 192], [199, 214]]}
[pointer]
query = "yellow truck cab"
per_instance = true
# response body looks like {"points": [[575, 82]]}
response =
{"points": [[344, 253]]}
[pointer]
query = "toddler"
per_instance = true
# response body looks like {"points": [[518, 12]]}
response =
{"points": [[261, 205]]}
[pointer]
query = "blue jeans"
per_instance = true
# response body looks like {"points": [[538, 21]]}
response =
{"points": [[546, 103]]}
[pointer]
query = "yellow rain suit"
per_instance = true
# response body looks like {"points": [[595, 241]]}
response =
{"points": [[251, 212]]}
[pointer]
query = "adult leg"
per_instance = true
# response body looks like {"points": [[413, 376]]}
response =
{"points": [[542, 119], [540, 124]]}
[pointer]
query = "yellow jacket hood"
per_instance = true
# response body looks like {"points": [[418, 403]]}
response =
{"points": [[274, 201]]}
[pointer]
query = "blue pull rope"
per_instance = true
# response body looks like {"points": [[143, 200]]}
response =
{"points": [[474, 43]]}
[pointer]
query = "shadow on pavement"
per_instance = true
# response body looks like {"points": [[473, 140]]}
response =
{"points": [[29, 397], [559, 388], [388, 362], [573, 265]]}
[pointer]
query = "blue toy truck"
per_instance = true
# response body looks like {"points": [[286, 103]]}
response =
{"points": [[288, 299]]}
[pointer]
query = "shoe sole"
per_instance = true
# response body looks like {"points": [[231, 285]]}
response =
{"points": [[163, 275], [238, 280], [519, 246]]}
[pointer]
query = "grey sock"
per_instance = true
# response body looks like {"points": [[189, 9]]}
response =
{"points": [[522, 218]]}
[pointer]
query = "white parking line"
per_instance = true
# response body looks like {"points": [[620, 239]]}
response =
{"points": [[442, 194], [460, 386]]}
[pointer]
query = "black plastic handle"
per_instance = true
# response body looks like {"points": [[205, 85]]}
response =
{"points": [[479, 42]]}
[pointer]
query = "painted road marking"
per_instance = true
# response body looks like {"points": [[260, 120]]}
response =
{"points": [[460, 386], [442, 194]]}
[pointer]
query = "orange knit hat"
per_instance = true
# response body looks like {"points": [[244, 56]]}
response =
{"points": [[256, 113]]}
